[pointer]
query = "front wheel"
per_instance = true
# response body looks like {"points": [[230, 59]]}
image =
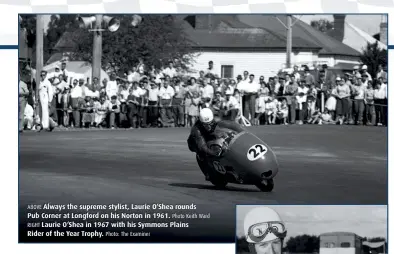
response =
{"points": [[266, 185]]}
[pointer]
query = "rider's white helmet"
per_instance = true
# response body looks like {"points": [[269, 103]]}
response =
{"points": [[259, 224], [206, 115]]}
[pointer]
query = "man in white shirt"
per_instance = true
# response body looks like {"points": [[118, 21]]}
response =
{"points": [[23, 94], [249, 90], [207, 91], [112, 87], [211, 69], [230, 107], [170, 70], [153, 103], [45, 93], [178, 103], [165, 97]]}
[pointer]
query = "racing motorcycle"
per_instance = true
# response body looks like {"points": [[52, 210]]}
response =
{"points": [[245, 159]]}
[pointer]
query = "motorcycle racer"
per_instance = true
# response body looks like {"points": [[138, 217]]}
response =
{"points": [[264, 231]]}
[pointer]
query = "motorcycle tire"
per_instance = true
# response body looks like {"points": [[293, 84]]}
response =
{"points": [[268, 186], [215, 178]]}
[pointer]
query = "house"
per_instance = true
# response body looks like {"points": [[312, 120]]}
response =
{"points": [[340, 243], [257, 43], [353, 36]]}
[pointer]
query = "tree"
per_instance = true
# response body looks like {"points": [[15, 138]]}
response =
{"points": [[372, 56], [158, 39], [303, 244], [322, 25]]}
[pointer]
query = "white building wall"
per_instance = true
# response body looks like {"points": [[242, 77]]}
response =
{"points": [[259, 63], [337, 251]]}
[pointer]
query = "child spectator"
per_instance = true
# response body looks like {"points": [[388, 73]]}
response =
{"points": [[260, 107], [271, 110], [87, 112], [312, 96], [283, 111], [114, 110], [331, 103], [101, 110]]}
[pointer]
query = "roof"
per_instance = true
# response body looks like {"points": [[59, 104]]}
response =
{"points": [[300, 29], [374, 245], [230, 32], [68, 40], [339, 233], [356, 38]]}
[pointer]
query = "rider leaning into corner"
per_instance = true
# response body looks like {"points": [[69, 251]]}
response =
{"points": [[203, 132]]}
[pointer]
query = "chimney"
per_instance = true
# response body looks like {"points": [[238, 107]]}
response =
{"points": [[339, 27], [383, 30]]}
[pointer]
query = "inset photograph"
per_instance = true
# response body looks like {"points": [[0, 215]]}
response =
{"points": [[311, 229]]}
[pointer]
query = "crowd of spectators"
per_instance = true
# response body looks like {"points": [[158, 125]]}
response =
{"points": [[166, 97]]}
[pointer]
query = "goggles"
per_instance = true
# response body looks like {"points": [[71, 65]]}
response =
{"points": [[258, 232]]}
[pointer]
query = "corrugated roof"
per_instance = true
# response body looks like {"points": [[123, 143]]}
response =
{"points": [[329, 45]]}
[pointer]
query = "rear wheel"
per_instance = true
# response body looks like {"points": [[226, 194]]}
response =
{"points": [[266, 185]]}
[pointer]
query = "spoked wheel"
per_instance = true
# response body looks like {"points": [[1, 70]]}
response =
{"points": [[266, 185]]}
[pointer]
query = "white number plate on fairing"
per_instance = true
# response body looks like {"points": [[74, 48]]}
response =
{"points": [[256, 152]]}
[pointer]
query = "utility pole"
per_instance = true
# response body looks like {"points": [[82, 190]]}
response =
{"points": [[39, 50], [289, 36], [97, 48]]}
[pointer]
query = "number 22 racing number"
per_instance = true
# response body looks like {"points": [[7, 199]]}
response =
{"points": [[256, 152]]}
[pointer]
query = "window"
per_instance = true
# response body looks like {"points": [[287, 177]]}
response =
{"points": [[329, 245], [227, 71], [345, 245]]}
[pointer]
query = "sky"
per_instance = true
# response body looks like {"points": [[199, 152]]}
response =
{"points": [[365, 221], [367, 23]]}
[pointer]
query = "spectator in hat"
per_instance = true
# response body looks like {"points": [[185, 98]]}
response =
{"points": [[342, 93], [301, 97], [111, 88], [170, 70], [356, 70], [381, 73], [23, 94], [364, 79], [364, 70]]}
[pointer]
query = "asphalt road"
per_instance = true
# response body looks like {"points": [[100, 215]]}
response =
{"points": [[318, 165]]}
